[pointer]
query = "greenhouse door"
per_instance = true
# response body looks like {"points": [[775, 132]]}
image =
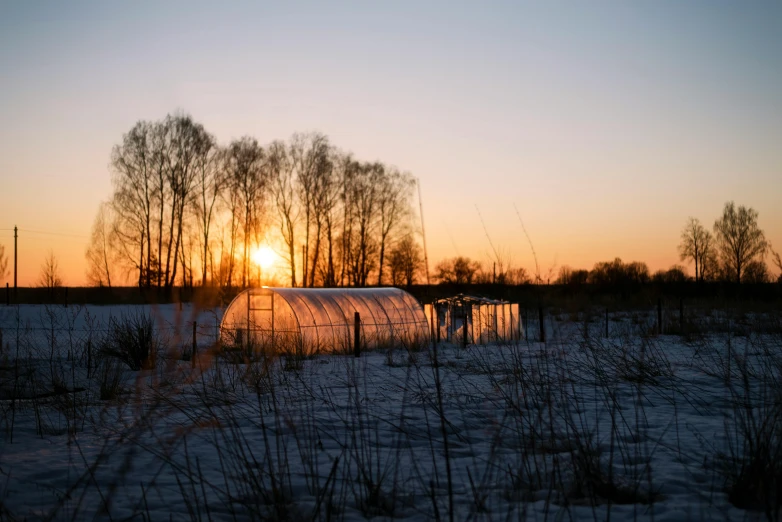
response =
{"points": [[260, 318]]}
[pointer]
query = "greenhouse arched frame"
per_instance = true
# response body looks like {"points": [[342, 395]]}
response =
{"points": [[312, 320]]}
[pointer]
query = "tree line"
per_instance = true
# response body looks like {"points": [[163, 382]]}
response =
{"points": [[186, 210], [734, 252]]}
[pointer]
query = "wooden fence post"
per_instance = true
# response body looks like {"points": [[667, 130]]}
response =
{"points": [[681, 314], [464, 327], [357, 335], [431, 325], [195, 345], [606, 323], [542, 325], [89, 356], [659, 316], [437, 323]]}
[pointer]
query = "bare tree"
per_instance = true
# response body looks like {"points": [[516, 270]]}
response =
{"points": [[321, 206], [697, 244], [348, 171], [337, 215], [50, 273], [393, 204], [231, 199], [311, 158], [774, 257], [281, 170], [755, 272], [637, 272], [674, 275], [189, 242], [710, 266], [502, 267], [619, 274], [223, 269], [156, 168], [134, 197], [248, 178], [101, 250], [3, 263], [329, 204], [210, 181], [159, 149], [188, 146], [459, 270], [570, 276], [739, 239], [519, 276], [323, 270], [364, 197], [405, 261]]}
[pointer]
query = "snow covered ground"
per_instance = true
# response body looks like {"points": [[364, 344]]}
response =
{"points": [[630, 427]]}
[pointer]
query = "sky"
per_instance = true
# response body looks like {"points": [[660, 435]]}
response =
{"points": [[603, 125]]}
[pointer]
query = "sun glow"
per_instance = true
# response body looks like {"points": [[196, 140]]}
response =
{"points": [[263, 257]]}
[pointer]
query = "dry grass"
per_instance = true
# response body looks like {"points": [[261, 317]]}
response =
{"points": [[565, 424]]}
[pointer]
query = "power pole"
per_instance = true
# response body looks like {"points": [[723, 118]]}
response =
{"points": [[16, 235]]}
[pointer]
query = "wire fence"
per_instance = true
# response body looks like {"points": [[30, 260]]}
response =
{"points": [[337, 337], [54, 332]]}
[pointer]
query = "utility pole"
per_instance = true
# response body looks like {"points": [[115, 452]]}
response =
{"points": [[15, 237]]}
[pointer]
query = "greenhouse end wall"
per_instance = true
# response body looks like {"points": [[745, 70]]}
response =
{"points": [[312, 320], [483, 321]]}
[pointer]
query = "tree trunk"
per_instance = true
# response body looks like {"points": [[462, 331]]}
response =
{"points": [[141, 263], [170, 243], [330, 266], [160, 240], [316, 254], [380, 264], [292, 252]]}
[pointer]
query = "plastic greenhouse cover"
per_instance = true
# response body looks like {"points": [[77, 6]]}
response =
{"points": [[324, 317]]}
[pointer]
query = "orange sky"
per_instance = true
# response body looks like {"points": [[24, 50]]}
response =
{"points": [[606, 125]]}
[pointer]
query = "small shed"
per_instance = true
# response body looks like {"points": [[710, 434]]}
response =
{"points": [[481, 320], [314, 320]]}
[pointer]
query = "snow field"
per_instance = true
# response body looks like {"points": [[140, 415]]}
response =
{"points": [[632, 426]]}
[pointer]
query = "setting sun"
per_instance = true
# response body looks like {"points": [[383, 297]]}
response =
{"points": [[263, 257]]}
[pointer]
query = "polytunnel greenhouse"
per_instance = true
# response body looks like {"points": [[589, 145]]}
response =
{"points": [[312, 320]]}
